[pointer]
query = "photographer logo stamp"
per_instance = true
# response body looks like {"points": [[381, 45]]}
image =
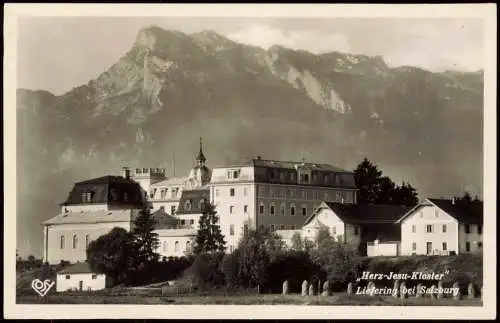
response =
{"points": [[42, 287]]}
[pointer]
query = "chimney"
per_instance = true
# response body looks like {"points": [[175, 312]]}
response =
{"points": [[259, 158], [126, 172]]}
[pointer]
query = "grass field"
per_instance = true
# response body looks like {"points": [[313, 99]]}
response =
{"points": [[264, 299]]}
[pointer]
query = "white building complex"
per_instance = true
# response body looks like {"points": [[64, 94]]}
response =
{"points": [[267, 195]]}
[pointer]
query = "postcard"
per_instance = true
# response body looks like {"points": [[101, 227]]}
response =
{"points": [[250, 161]]}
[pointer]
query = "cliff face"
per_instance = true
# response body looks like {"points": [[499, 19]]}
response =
{"points": [[171, 88]]}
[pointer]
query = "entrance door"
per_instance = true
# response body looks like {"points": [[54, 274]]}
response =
{"points": [[80, 285], [429, 248]]}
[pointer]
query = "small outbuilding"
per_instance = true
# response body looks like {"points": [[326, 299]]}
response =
{"points": [[80, 277]]}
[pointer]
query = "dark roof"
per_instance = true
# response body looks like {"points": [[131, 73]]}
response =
{"points": [[366, 213], [291, 165], [78, 268], [164, 220], [108, 189], [193, 198], [471, 213]]}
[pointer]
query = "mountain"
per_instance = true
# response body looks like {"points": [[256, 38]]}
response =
{"points": [[172, 88]]}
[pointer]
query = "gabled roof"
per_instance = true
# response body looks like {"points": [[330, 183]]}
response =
{"points": [[125, 215], [78, 268], [193, 197], [470, 213], [164, 220], [107, 190], [363, 213]]}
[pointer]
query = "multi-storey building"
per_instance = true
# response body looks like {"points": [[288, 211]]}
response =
{"points": [[271, 195]]}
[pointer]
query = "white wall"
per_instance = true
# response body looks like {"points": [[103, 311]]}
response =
{"points": [[167, 248], [473, 238], [63, 283], [53, 252], [422, 216], [383, 249]]}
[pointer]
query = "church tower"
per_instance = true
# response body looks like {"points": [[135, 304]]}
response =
{"points": [[200, 173]]}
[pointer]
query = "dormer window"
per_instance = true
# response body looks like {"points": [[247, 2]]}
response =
{"points": [[314, 176], [282, 176], [87, 197], [187, 205], [201, 204]]}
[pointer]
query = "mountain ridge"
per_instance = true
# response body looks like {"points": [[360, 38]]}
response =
{"points": [[168, 90]]}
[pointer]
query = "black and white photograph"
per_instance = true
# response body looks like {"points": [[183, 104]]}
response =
{"points": [[333, 161]]}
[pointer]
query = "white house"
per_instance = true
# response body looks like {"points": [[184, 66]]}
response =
{"points": [[80, 277], [442, 227], [356, 224]]}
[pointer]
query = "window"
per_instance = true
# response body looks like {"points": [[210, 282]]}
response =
{"points": [[356, 231], [334, 230], [282, 209], [292, 176], [231, 229], [245, 229], [176, 246], [87, 240], [314, 177], [86, 197], [201, 204], [191, 221], [261, 208], [479, 229], [236, 174], [480, 244], [245, 208], [75, 241], [163, 194], [183, 222], [271, 210], [445, 246], [283, 194], [444, 228], [272, 227], [245, 191], [304, 210], [67, 276], [325, 179], [165, 246], [94, 276], [414, 246], [231, 192], [187, 205], [188, 245], [292, 210], [467, 246], [428, 228], [229, 174], [261, 228], [174, 192], [413, 228], [303, 194], [282, 176], [172, 209], [292, 227], [231, 248], [62, 242], [467, 228], [216, 192], [306, 178], [231, 209], [282, 227]]}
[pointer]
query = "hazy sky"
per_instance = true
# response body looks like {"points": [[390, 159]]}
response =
{"points": [[57, 54]]}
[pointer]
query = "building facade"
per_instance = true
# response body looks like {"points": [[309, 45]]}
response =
{"points": [[271, 195], [442, 227], [80, 277]]}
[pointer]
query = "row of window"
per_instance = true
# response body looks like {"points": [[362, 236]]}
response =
{"points": [[74, 244], [291, 194], [174, 193], [176, 246], [94, 276], [231, 209], [444, 246], [292, 211], [429, 228], [305, 177], [188, 204]]}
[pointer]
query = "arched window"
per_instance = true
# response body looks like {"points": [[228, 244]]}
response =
{"points": [[62, 242], [261, 208], [75, 241], [87, 240], [165, 246], [188, 245], [292, 209], [176, 246]]}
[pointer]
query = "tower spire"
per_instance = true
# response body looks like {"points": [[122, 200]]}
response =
{"points": [[200, 159]]}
